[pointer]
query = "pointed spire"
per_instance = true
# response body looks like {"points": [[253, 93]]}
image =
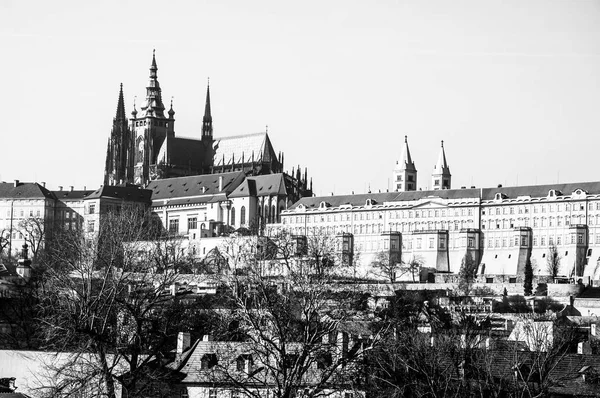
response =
{"points": [[120, 105], [441, 177], [442, 164], [154, 105], [406, 160], [153, 67], [207, 128]]}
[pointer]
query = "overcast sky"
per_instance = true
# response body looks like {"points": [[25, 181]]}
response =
{"points": [[512, 87]]}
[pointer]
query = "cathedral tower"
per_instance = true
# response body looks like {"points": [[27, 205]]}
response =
{"points": [[441, 177], [405, 173], [150, 127], [118, 149]]}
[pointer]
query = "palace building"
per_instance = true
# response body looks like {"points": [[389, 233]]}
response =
{"points": [[499, 228]]}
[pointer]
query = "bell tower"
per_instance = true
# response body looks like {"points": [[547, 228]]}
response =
{"points": [[405, 172], [441, 177], [150, 127]]}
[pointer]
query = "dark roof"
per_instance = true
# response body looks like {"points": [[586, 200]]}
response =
{"points": [[184, 152], [182, 187], [541, 191], [71, 195], [269, 184], [24, 190], [534, 191], [339, 200], [130, 194]]}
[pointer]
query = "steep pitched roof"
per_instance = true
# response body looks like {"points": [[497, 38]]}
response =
{"points": [[182, 152], [22, 190], [265, 185], [193, 186], [243, 145], [130, 194]]}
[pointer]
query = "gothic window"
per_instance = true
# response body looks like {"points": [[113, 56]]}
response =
{"points": [[232, 216], [243, 215]]}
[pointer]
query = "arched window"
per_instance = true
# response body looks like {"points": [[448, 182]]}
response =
{"points": [[243, 215], [273, 213], [233, 216]]}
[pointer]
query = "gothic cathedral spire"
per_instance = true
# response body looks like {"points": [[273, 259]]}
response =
{"points": [[207, 127], [405, 172], [118, 145], [441, 177]]}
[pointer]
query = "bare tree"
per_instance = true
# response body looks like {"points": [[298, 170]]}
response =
{"points": [[467, 274], [553, 261], [412, 266], [294, 339], [34, 233], [106, 302], [386, 265]]}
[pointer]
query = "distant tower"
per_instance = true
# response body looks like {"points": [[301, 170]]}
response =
{"points": [[207, 127], [207, 135], [150, 127], [405, 173], [441, 177], [117, 151]]}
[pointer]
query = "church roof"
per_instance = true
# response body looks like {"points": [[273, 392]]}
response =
{"points": [[193, 186], [243, 145], [183, 152], [20, 190], [264, 185]]}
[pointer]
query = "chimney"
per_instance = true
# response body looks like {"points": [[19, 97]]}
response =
{"points": [[71, 188], [220, 183], [183, 342], [60, 187], [43, 184], [84, 188], [16, 183]]}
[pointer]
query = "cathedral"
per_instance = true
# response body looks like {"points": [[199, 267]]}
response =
{"points": [[144, 147]]}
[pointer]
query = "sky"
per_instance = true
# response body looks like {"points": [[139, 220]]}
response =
{"points": [[511, 86]]}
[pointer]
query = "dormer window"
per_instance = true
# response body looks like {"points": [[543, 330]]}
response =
{"points": [[499, 196], [324, 205], [208, 361], [370, 202], [244, 363]]}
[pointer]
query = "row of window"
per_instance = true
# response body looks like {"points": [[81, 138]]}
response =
{"points": [[23, 213]]}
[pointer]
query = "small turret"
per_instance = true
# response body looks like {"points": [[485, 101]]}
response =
{"points": [[405, 172], [441, 177]]}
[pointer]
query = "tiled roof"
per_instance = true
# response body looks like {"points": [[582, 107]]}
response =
{"points": [[71, 195], [182, 187], [133, 194], [339, 200], [24, 190], [270, 184], [541, 191], [245, 145], [534, 191]]}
